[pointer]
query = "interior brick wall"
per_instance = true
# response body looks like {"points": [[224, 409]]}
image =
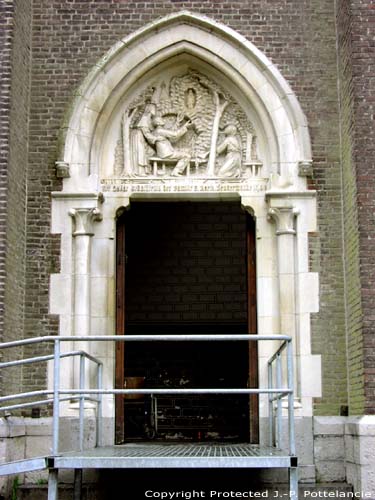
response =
{"points": [[186, 263]]}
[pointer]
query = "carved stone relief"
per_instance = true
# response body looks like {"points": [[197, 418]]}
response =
{"points": [[186, 126]]}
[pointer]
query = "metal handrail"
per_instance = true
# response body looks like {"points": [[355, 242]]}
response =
{"points": [[48, 357], [83, 394], [143, 338], [43, 402]]}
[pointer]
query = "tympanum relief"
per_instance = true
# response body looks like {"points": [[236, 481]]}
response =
{"points": [[186, 126]]}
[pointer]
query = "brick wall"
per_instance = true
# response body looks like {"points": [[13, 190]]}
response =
{"points": [[6, 20], [350, 212], [298, 36], [363, 68], [318, 97], [186, 263], [15, 84]]}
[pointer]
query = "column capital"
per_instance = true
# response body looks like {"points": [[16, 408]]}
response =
{"points": [[83, 219], [284, 218]]}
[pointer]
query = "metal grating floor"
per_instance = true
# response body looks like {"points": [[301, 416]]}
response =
{"points": [[153, 455]]}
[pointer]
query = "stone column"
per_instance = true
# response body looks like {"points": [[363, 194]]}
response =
{"points": [[284, 218], [83, 230]]}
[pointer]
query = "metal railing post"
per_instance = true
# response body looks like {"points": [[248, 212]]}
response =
{"points": [[99, 416], [290, 378], [81, 400], [279, 402], [270, 405], [53, 490], [56, 398]]}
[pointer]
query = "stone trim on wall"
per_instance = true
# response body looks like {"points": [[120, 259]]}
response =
{"points": [[188, 40]]}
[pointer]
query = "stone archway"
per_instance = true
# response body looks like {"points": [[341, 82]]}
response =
{"points": [[277, 113], [272, 187]]}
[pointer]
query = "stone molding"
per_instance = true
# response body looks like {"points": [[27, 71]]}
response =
{"points": [[284, 218], [83, 219], [87, 196]]}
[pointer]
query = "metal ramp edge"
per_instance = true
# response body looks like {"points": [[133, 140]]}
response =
{"points": [[169, 462], [26, 465], [174, 456], [158, 456]]}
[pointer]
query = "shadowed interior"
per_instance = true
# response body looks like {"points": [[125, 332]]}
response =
{"points": [[186, 274]]}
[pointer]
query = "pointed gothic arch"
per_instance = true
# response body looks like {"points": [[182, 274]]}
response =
{"points": [[200, 41]]}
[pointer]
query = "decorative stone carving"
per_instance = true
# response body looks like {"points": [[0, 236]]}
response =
{"points": [[231, 146], [162, 139], [83, 219], [186, 126], [278, 181], [305, 168], [284, 219], [62, 169]]}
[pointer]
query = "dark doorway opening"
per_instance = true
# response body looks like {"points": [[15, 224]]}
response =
{"points": [[183, 269]]}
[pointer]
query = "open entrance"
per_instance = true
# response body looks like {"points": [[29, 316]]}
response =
{"points": [[186, 268]]}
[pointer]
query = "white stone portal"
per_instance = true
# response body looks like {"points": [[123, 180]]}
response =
{"points": [[187, 109]]}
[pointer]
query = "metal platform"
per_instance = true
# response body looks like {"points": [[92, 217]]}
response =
{"points": [[154, 454], [189, 455]]}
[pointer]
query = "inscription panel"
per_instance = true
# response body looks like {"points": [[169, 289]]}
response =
{"points": [[183, 186]]}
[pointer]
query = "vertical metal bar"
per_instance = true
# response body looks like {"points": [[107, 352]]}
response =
{"points": [[53, 492], [270, 406], [290, 377], [56, 397], [293, 483], [99, 415], [77, 492], [155, 399], [279, 402], [81, 400]]}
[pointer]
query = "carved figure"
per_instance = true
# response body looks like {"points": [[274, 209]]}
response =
{"points": [[172, 128], [190, 99], [231, 145], [146, 118], [161, 138], [137, 137]]}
